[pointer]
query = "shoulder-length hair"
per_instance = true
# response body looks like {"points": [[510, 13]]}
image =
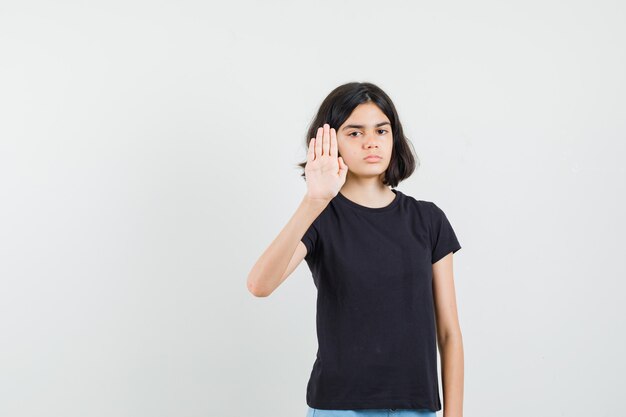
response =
{"points": [[337, 107]]}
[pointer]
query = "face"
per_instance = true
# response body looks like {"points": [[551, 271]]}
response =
{"points": [[367, 131]]}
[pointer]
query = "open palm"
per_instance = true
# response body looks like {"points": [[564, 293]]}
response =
{"points": [[325, 173]]}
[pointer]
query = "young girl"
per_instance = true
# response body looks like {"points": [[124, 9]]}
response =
{"points": [[382, 264]]}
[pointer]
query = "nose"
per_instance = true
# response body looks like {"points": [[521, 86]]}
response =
{"points": [[370, 141]]}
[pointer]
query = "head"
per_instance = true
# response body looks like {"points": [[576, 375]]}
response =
{"points": [[366, 122]]}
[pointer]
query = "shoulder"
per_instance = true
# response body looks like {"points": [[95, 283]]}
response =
{"points": [[424, 206], [426, 210]]}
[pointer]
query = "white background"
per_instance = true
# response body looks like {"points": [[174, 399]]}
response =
{"points": [[148, 156]]}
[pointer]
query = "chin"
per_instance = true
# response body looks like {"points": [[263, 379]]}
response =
{"points": [[368, 173]]}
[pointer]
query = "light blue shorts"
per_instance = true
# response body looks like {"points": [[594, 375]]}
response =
{"points": [[372, 412]]}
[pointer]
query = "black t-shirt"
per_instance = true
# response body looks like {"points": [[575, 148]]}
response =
{"points": [[375, 312]]}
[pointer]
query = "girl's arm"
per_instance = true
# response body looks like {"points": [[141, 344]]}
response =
{"points": [[449, 337], [325, 174], [281, 257]]}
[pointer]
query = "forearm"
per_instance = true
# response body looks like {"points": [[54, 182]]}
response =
{"points": [[267, 272], [452, 364]]}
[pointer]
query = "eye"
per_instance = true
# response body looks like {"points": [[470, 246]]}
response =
{"points": [[379, 130]]}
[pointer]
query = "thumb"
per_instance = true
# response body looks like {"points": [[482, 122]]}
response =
{"points": [[343, 168]]}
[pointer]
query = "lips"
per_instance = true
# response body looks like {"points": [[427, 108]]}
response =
{"points": [[372, 158]]}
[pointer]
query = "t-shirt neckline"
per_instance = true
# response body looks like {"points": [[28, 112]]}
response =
{"points": [[389, 206]]}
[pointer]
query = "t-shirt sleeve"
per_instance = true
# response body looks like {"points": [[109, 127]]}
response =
{"points": [[310, 240], [443, 238]]}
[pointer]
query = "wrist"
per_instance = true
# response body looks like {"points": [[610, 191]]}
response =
{"points": [[312, 202]]}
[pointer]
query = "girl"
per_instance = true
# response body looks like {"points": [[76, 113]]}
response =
{"points": [[382, 264]]}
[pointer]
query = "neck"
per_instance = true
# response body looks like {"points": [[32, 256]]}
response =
{"points": [[370, 192]]}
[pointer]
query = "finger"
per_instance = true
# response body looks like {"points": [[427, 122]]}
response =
{"points": [[326, 144], [333, 143], [310, 155], [318, 143]]}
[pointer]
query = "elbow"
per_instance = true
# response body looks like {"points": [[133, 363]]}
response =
{"points": [[255, 290], [450, 335]]}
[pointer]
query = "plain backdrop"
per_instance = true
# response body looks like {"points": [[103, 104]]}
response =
{"points": [[148, 156]]}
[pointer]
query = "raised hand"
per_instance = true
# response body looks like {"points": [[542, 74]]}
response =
{"points": [[325, 173]]}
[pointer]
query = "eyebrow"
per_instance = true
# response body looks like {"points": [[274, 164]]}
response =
{"points": [[362, 126]]}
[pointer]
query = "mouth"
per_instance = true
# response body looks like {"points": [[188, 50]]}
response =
{"points": [[372, 158]]}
